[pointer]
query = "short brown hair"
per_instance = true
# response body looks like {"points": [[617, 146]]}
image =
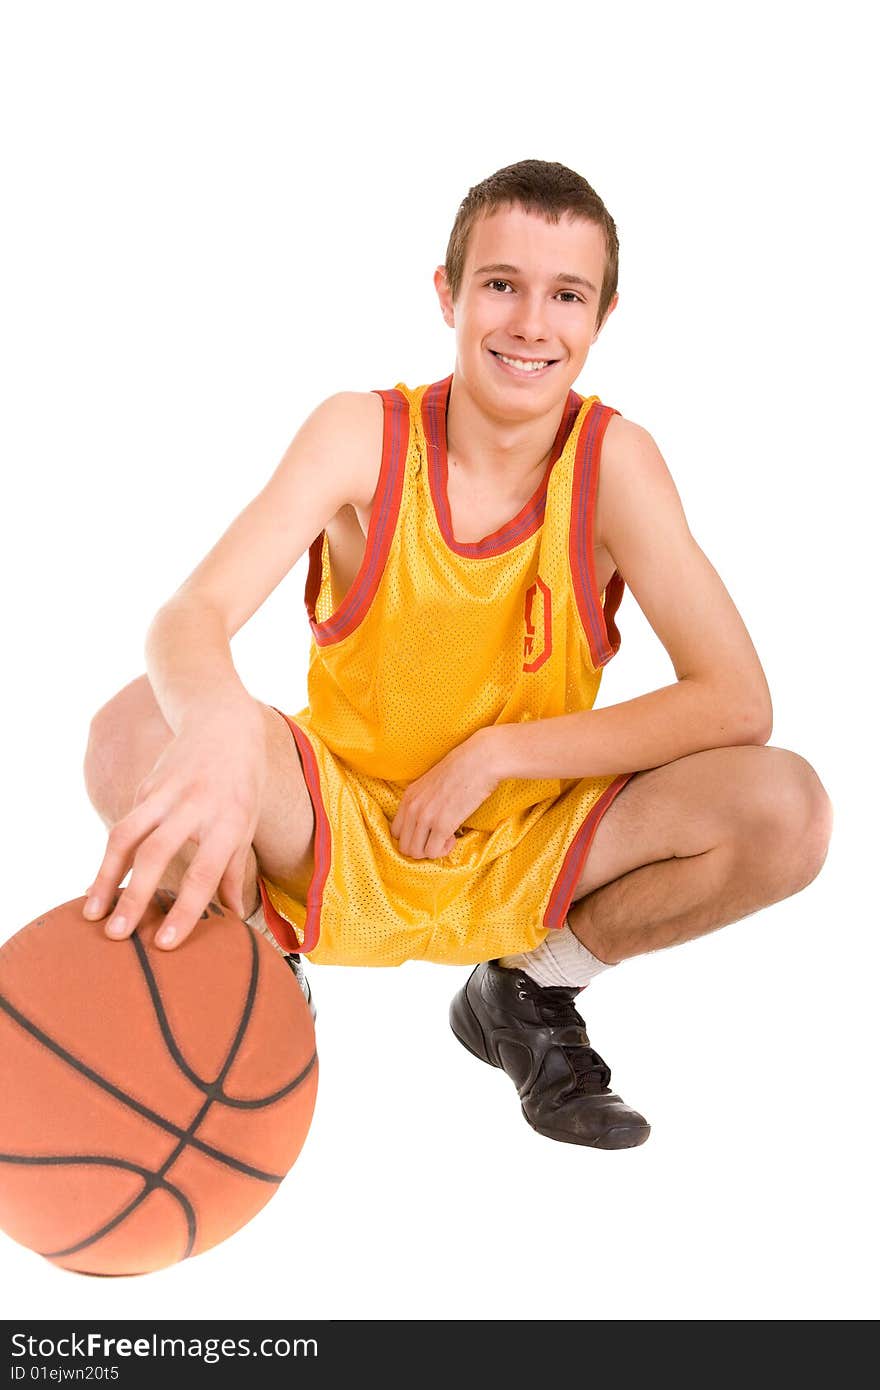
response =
{"points": [[541, 187]]}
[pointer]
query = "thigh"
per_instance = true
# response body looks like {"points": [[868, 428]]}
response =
{"points": [[687, 807], [130, 732]]}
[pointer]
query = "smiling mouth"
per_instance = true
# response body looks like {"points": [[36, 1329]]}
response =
{"points": [[525, 366]]}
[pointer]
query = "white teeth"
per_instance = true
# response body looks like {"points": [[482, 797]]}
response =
{"points": [[522, 366]]}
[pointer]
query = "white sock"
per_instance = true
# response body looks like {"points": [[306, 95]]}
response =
{"points": [[559, 960]]}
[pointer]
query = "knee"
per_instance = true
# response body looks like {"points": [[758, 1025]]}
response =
{"points": [[796, 810], [112, 736]]}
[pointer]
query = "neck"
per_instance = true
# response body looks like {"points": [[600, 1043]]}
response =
{"points": [[483, 444]]}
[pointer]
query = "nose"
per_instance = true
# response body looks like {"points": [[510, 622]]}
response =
{"points": [[528, 319]]}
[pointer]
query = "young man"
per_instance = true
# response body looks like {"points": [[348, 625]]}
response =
{"points": [[449, 793]]}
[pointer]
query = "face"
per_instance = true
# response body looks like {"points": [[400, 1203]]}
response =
{"points": [[520, 308]]}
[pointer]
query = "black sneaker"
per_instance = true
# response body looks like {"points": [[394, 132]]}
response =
{"points": [[296, 966], [535, 1034]]}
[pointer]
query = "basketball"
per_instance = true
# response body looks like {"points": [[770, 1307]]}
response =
{"points": [[150, 1101]]}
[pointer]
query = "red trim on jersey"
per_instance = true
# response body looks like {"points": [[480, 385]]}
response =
{"points": [[573, 863], [281, 929], [613, 594], [528, 520], [598, 624], [383, 518]]}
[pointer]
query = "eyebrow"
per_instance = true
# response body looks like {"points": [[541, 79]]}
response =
{"points": [[564, 275]]}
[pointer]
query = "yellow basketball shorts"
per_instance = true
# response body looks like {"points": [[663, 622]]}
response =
{"points": [[497, 893]]}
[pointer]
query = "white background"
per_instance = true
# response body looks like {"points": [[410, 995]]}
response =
{"points": [[216, 215]]}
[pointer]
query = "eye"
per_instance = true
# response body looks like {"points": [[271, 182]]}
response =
{"points": [[574, 298]]}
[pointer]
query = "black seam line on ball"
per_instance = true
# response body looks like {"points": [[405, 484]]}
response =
{"points": [[263, 1101], [140, 1109], [152, 1181], [213, 1088], [216, 1087]]}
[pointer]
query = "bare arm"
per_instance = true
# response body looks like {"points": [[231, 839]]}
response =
{"points": [[721, 695], [332, 460], [207, 784]]}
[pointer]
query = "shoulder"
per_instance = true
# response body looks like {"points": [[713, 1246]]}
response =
{"points": [[352, 425], [354, 409], [633, 476], [626, 440]]}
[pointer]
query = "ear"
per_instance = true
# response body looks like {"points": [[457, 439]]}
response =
{"points": [[442, 287], [608, 312]]}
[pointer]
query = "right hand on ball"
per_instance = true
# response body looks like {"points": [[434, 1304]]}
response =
{"points": [[206, 786]]}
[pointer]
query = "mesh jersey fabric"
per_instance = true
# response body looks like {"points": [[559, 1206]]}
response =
{"points": [[435, 639]]}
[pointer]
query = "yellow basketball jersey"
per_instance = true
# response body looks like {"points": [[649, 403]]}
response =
{"points": [[435, 639]]}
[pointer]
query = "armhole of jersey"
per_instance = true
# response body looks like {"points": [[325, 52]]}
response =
{"points": [[386, 504], [597, 619]]}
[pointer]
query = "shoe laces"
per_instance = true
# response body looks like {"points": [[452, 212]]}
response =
{"points": [[555, 1004]]}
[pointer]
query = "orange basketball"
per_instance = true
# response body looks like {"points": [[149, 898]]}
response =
{"points": [[150, 1101]]}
